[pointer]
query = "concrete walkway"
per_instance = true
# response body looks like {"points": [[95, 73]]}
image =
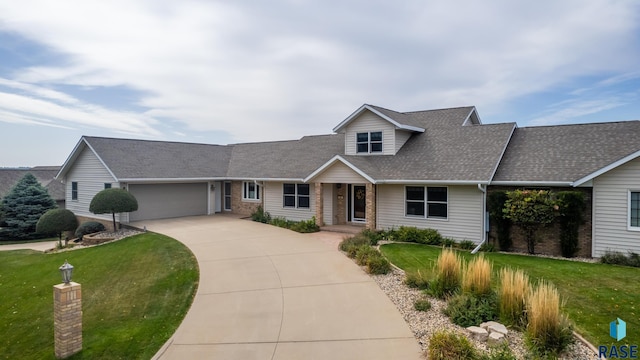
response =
{"points": [[270, 293], [37, 246]]}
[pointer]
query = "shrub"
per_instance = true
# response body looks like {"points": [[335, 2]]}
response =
{"points": [[618, 258], [56, 221], [305, 226], [407, 234], [471, 310], [373, 235], [449, 242], [416, 280], [260, 215], [276, 221], [445, 345], [364, 253], [548, 330], [513, 293], [430, 237], [447, 272], [467, 245], [88, 227], [486, 247], [500, 352], [571, 207], [352, 244], [495, 205], [422, 305], [112, 201], [378, 264], [529, 209]]}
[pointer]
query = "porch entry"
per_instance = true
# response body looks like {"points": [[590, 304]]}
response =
{"points": [[358, 203]]}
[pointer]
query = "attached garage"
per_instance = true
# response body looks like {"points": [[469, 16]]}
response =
{"points": [[161, 201]]}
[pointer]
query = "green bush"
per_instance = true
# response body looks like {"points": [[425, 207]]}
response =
{"points": [[88, 227], [471, 310], [421, 236], [260, 215], [530, 210], [364, 253], [373, 235], [378, 264], [500, 352], [416, 280], [571, 205], [305, 226], [495, 205], [449, 242], [486, 247], [352, 244], [279, 222], [422, 305], [467, 245], [446, 345], [112, 201], [618, 258], [430, 237], [57, 221]]}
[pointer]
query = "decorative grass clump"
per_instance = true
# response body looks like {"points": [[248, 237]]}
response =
{"points": [[422, 304], [513, 294], [548, 330], [417, 280], [352, 244], [377, 264], [364, 253], [448, 269], [446, 345], [477, 277]]}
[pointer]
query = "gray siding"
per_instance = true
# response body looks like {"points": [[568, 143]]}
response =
{"points": [[340, 173], [366, 122], [611, 210], [273, 203], [465, 212], [91, 176]]}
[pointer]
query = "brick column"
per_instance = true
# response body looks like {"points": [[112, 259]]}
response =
{"points": [[67, 319], [319, 204], [341, 207], [371, 206]]}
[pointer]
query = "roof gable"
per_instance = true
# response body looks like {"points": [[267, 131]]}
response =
{"points": [[385, 115]]}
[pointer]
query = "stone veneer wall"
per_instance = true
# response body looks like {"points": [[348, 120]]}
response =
{"points": [[549, 237], [371, 206], [341, 204], [243, 207]]}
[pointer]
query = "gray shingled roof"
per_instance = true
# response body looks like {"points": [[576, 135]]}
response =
{"points": [[430, 118], [45, 175], [144, 159], [566, 153]]}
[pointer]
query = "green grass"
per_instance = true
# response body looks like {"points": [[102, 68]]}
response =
{"points": [[135, 293], [595, 294]]}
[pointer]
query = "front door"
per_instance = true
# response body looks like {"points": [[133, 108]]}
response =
{"points": [[359, 203]]}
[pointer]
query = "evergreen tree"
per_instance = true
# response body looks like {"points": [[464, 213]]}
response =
{"points": [[23, 206]]}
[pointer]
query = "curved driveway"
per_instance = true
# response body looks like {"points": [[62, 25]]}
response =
{"points": [[270, 293]]}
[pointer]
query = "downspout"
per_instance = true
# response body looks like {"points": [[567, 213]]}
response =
{"points": [[484, 219]]}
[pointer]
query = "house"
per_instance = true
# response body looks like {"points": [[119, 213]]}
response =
{"points": [[45, 175], [380, 169]]}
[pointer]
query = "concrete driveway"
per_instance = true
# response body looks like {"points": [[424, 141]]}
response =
{"points": [[270, 293]]}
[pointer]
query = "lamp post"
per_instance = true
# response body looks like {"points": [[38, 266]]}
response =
{"points": [[67, 314], [66, 270]]}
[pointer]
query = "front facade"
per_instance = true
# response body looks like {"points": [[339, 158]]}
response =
{"points": [[380, 169]]}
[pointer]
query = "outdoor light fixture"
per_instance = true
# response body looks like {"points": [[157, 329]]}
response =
{"points": [[66, 269]]}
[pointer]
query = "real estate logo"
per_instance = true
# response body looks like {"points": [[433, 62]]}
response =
{"points": [[618, 331]]}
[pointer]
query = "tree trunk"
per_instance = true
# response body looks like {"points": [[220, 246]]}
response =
{"points": [[114, 222]]}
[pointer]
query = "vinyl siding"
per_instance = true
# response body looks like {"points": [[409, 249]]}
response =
{"points": [[610, 210], [91, 176], [464, 208], [368, 122], [327, 210], [401, 138], [273, 203], [340, 173]]}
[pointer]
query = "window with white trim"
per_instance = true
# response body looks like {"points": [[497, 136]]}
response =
{"points": [[74, 190], [295, 196], [634, 209], [369, 142], [426, 201], [107, 185], [250, 190]]}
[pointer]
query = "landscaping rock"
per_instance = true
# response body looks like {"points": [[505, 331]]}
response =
{"points": [[496, 338], [478, 333], [492, 326]]}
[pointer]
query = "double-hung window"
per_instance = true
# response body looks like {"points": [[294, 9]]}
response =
{"points": [[107, 185], [430, 202], [295, 196], [250, 191], [74, 190], [369, 142], [634, 210]]}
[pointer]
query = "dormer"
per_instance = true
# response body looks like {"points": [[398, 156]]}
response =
{"points": [[368, 131]]}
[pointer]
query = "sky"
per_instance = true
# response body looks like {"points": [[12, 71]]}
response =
{"points": [[224, 72]]}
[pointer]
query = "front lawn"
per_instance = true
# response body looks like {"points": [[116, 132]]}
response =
{"points": [[595, 294], [135, 293]]}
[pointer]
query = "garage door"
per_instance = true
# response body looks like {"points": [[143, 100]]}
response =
{"points": [[161, 201]]}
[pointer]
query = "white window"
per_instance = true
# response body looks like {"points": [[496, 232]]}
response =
{"points": [[430, 201], [107, 185], [369, 142], [250, 191], [295, 196], [634, 210], [74, 190]]}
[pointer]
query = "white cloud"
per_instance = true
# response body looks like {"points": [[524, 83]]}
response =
{"points": [[279, 70]]}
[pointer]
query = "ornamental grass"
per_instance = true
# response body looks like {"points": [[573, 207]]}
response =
{"points": [[477, 277], [513, 294]]}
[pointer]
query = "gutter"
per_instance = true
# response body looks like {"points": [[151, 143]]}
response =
{"points": [[484, 219]]}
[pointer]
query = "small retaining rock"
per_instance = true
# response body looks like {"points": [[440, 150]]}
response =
{"points": [[496, 338], [492, 326], [478, 333]]}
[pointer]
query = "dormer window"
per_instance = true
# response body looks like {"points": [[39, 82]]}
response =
{"points": [[369, 142]]}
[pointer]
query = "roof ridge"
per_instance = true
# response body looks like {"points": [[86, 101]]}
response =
{"points": [[579, 124], [151, 140], [449, 108]]}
